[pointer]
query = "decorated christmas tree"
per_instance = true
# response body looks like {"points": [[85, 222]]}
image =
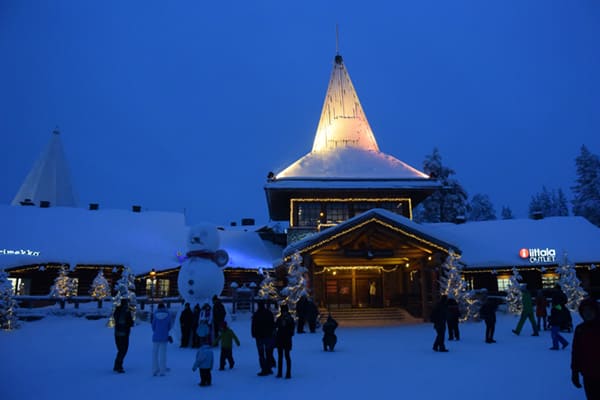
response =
{"points": [[64, 287], [100, 288], [513, 293], [453, 285], [296, 283], [124, 289], [570, 284], [267, 290], [8, 304]]}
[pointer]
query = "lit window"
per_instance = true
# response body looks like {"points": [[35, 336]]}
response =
{"points": [[13, 283], [503, 283], [549, 280]]}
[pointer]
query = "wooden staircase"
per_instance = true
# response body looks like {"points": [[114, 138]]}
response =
{"points": [[370, 316]]}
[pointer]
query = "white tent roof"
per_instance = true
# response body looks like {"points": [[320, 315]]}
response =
{"points": [[49, 179], [344, 145], [142, 241]]}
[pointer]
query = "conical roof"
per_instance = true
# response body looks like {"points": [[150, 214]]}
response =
{"points": [[344, 145], [49, 179]]}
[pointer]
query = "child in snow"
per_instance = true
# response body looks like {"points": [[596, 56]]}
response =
{"points": [[204, 362], [226, 337]]}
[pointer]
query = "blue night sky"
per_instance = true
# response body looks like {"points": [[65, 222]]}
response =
{"points": [[179, 105]]}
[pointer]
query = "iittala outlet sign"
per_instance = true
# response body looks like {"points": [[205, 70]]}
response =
{"points": [[538, 255]]}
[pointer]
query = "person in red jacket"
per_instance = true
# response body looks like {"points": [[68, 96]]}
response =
{"points": [[586, 350]]}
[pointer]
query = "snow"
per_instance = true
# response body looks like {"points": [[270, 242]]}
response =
{"points": [[68, 357]]}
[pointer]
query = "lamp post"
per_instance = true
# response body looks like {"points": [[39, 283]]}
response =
{"points": [[152, 283]]}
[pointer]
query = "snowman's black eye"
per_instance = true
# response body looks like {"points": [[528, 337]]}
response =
{"points": [[191, 282]]}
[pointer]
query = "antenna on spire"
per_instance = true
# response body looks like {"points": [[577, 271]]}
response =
{"points": [[337, 39]]}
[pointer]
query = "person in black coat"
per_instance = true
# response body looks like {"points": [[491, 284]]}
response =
{"points": [[329, 337], [453, 316], [219, 314], [284, 330], [487, 313], [262, 331], [312, 313], [558, 318], [439, 314], [195, 320], [123, 323], [186, 320], [301, 313]]}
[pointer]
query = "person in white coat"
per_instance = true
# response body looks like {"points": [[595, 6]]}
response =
{"points": [[161, 325]]}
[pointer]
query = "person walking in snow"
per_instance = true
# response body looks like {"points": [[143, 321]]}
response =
{"points": [[487, 312], [161, 325], [557, 319], [186, 321], [284, 330], [452, 319], [262, 331], [541, 305], [219, 313], [526, 313], [123, 323], [585, 352], [204, 361], [329, 337], [439, 315], [226, 336]]}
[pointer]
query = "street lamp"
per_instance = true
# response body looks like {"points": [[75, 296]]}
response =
{"points": [[152, 283]]}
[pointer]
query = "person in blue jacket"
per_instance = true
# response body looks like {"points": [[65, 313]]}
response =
{"points": [[161, 325], [204, 361]]}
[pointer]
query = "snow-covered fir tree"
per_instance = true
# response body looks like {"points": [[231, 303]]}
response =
{"points": [[124, 289], [506, 213], [453, 285], [296, 283], [8, 304], [100, 288], [514, 296], [447, 203], [267, 289], [481, 208], [570, 284], [64, 287], [550, 203], [586, 192]]}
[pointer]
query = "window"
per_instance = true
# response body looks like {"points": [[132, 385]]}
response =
{"points": [[13, 283], [549, 280], [307, 214], [74, 286], [503, 283], [163, 287], [336, 212]]}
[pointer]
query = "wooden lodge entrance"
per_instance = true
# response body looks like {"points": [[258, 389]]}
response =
{"points": [[376, 260]]}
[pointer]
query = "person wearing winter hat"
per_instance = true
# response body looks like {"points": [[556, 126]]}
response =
{"points": [[284, 330], [226, 336], [586, 349]]}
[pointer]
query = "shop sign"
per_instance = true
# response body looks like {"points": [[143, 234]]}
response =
{"points": [[19, 252], [538, 255]]}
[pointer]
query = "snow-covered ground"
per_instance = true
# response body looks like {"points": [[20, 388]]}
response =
{"points": [[65, 357]]}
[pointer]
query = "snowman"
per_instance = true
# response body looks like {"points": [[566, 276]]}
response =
{"points": [[201, 276]]}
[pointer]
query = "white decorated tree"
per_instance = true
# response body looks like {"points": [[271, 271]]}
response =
{"points": [[124, 289], [64, 287], [8, 304], [570, 284], [267, 289], [453, 285], [100, 288], [514, 297], [296, 283]]}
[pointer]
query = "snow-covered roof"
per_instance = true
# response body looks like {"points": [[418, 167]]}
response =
{"points": [[497, 243], [344, 145], [49, 179], [145, 240]]}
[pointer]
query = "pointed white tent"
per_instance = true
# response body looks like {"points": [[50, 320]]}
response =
{"points": [[344, 145], [49, 179]]}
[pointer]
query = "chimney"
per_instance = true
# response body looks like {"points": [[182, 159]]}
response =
{"points": [[233, 223], [44, 204], [94, 206], [136, 208]]}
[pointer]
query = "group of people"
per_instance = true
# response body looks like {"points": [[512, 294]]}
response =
{"points": [[201, 324], [586, 339]]}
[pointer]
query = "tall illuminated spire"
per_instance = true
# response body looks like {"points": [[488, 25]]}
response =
{"points": [[343, 122]]}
